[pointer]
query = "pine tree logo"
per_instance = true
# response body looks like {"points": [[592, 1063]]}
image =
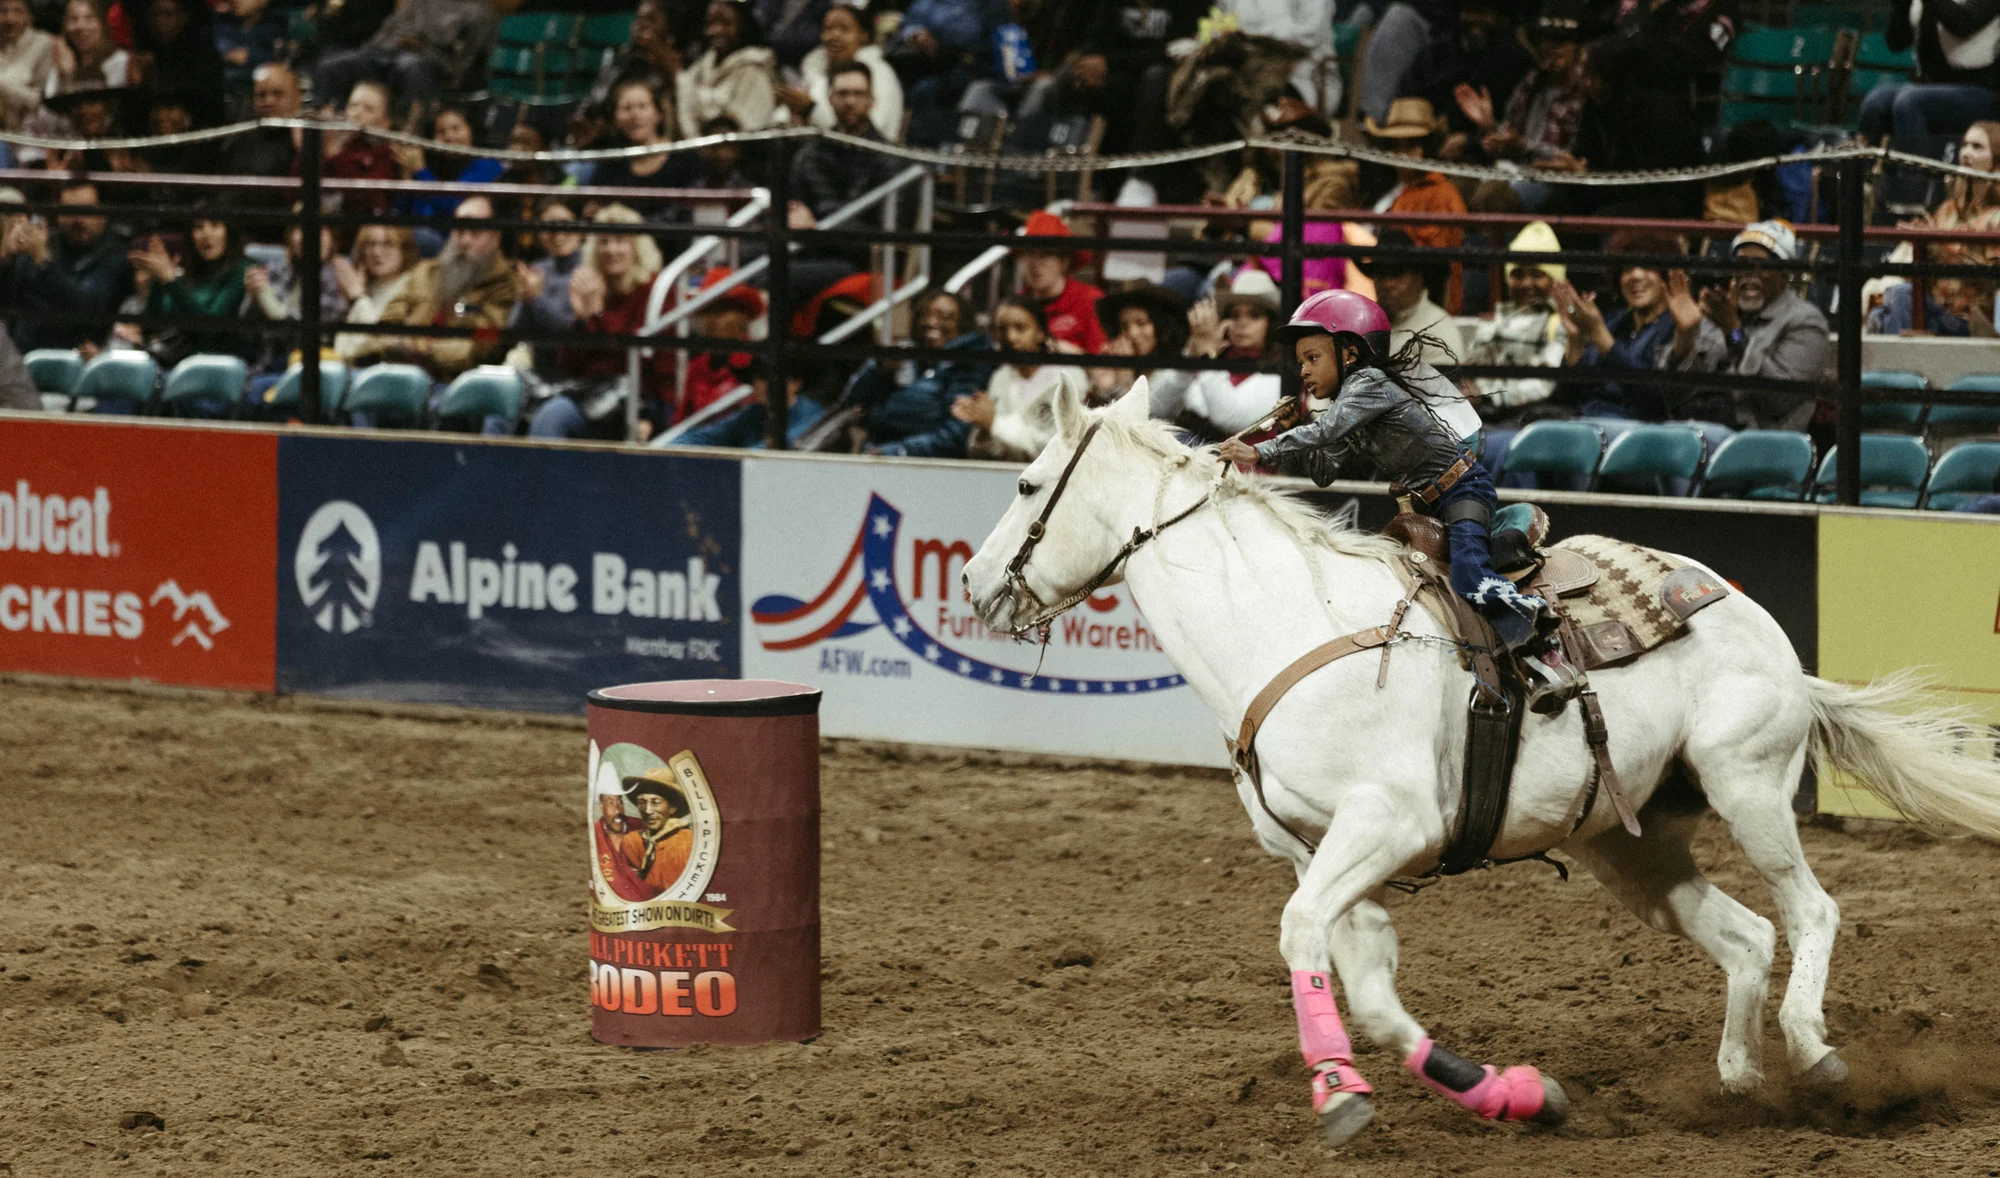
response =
{"points": [[338, 567]]}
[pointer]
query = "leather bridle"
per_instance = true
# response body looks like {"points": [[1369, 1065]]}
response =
{"points": [[1017, 581]]}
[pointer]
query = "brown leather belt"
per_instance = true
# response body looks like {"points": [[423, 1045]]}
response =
{"points": [[1435, 490]]}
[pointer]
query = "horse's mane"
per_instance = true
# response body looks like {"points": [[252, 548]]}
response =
{"points": [[1309, 526]]}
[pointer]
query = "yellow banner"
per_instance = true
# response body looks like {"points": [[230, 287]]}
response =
{"points": [[1897, 592], [638, 918]]}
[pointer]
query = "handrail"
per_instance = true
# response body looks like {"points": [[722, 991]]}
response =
{"points": [[699, 248], [876, 310], [707, 413], [993, 256]]}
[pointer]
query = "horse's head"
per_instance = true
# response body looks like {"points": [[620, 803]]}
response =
{"points": [[1075, 507]]}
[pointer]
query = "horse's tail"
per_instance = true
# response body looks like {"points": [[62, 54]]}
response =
{"points": [[1919, 762]]}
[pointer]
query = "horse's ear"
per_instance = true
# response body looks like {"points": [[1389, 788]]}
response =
{"points": [[1136, 406], [1069, 410]]}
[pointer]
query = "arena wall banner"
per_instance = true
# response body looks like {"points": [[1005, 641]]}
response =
{"points": [[1906, 591], [498, 575], [137, 552], [851, 583]]}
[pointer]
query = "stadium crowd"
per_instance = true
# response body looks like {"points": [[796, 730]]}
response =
{"points": [[1546, 89]]}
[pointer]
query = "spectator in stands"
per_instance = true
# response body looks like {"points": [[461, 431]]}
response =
{"points": [[173, 44], [643, 120], [735, 75], [265, 151], [1678, 44], [1014, 417], [544, 285], [274, 297], [792, 28], [345, 26], [744, 429], [1330, 184], [827, 175], [17, 385], [1309, 25], [712, 375], [86, 55], [1525, 331], [206, 281], [1482, 51], [351, 156], [1069, 307], [1120, 70], [88, 113], [1953, 306], [369, 281], [1957, 69], [27, 58], [1144, 320], [907, 408], [1406, 29], [1412, 130], [937, 48], [843, 39], [1239, 324], [608, 288], [721, 163], [424, 48], [652, 57], [1403, 288], [1642, 337], [470, 284], [1629, 124], [81, 271], [1542, 112], [450, 125], [1768, 329], [248, 36]]}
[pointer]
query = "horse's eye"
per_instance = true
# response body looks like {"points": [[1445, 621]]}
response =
{"points": [[1027, 488]]}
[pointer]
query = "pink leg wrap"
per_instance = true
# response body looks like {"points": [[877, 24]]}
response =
{"points": [[1513, 1095], [1322, 1038]]}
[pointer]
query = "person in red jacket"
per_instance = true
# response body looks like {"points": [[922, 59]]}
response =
{"points": [[1071, 306]]}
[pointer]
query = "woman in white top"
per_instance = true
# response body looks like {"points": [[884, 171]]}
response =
{"points": [[1015, 416], [736, 75], [1237, 323], [844, 38], [85, 56], [383, 258]]}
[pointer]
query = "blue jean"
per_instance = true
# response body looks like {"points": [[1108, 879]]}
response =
{"points": [[1896, 315], [1401, 36], [558, 417], [1915, 108], [1472, 573]]}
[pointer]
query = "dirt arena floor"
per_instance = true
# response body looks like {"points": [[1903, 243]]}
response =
{"points": [[302, 941]]}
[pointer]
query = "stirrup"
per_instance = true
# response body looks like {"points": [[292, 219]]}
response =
{"points": [[1556, 684]]}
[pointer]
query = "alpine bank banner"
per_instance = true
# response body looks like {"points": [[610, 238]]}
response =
{"points": [[851, 583], [137, 553], [502, 576]]}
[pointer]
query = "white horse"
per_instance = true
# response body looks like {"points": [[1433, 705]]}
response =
{"points": [[1244, 580]]}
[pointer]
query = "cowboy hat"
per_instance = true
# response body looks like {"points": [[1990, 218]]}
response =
{"points": [[1160, 302], [1408, 118], [1252, 287], [660, 783]]}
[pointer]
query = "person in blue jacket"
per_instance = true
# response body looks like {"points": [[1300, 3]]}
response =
{"points": [[910, 416]]}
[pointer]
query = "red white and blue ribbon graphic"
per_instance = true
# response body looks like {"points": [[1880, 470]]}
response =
{"points": [[867, 578]]}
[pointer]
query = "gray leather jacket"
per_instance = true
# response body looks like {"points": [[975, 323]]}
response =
{"points": [[1373, 415]]}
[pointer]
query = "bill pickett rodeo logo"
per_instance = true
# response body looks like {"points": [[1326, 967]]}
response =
{"points": [[656, 837]]}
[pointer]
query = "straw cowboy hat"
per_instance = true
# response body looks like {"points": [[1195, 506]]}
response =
{"points": [[1408, 118]]}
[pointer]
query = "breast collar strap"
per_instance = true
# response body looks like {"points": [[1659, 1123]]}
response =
{"points": [[1016, 568]]}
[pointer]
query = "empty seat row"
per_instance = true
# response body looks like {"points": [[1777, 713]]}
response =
{"points": [[1769, 465], [1918, 412], [215, 386]]}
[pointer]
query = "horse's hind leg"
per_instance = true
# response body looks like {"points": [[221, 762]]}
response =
{"points": [[1656, 877], [1755, 799]]}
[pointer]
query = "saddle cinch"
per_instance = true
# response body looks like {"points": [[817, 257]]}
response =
{"points": [[1609, 602]]}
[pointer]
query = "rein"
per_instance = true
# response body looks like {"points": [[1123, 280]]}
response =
{"points": [[1017, 580]]}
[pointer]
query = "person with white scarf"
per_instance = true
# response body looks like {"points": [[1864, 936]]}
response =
{"points": [[1958, 68]]}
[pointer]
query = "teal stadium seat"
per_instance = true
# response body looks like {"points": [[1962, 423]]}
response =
{"points": [[121, 381], [1762, 45], [282, 399], [1893, 414], [1770, 464], [610, 31], [1644, 459], [490, 390], [392, 395], [1873, 53], [1893, 467], [1965, 472], [1969, 418], [1554, 447], [55, 372], [206, 386]]}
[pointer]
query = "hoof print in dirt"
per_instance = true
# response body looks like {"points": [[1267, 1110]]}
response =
{"points": [[142, 1120]]}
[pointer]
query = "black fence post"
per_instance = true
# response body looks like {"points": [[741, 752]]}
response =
{"points": [[308, 275], [1847, 433], [777, 400], [1292, 261]]}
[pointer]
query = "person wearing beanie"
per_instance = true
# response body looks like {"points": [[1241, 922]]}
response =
{"points": [[1526, 331], [1769, 330]]}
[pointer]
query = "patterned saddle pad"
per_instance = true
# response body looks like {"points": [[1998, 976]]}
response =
{"points": [[1640, 599]]}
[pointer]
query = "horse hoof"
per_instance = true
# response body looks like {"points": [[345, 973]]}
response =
{"points": [[1555, 1104], [1344, 1116], [1829, 1072]]}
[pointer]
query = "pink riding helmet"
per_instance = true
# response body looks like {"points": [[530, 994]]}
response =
{"points": [[1340, 312]]}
